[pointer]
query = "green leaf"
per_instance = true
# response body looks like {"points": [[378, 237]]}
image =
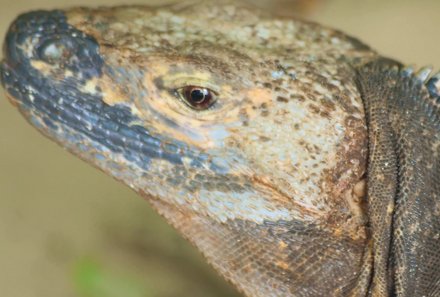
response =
{"points": [[93, 280]]}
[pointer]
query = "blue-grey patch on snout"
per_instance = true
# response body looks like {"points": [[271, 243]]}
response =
{"points": [[46, 36]]}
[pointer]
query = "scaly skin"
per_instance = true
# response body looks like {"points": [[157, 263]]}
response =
{"points": [[268, 182]]}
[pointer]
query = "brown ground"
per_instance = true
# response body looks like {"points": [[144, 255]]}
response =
{"points": [[56, 210]]}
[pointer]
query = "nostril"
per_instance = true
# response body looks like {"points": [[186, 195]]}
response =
{"points": [[57, 51], [46, 36], [26, 29]]}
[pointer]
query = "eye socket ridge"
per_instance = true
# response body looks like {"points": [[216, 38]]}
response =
{"points": [[197, 97]]}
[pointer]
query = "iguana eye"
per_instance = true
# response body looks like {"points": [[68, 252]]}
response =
{"points": [[198, 98]]}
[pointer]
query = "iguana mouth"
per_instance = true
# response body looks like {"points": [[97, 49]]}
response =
{"points": [[51, 103]]}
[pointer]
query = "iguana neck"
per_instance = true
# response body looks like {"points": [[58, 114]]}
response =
{"points": [[273, 259]]}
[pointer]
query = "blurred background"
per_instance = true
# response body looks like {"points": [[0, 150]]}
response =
{"points": [[66, 229]]}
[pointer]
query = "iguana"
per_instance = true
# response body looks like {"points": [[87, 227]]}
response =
{"points": [[298, 160]]}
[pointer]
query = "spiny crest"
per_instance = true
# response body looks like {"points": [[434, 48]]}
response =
{"points": [[425, 76]]}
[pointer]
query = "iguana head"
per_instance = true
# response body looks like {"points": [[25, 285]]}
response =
{"points": [[226, 119]]}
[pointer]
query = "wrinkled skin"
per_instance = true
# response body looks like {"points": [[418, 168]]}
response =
{"points": [[269, 182]]}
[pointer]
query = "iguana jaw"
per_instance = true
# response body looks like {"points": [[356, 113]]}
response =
{"points": [[220, 163]]}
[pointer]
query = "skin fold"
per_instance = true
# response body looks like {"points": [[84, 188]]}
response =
{"points": [[298, 169]]}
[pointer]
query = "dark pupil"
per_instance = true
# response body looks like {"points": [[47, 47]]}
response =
{"points": [[198, 95]]}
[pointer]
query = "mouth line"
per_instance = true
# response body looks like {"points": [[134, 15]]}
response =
{"points": [[90, 116], [14, 101]]}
